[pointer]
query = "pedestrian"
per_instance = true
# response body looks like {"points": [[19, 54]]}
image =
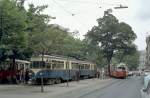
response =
{"points": [[77, 75], [27, 75], [22, 74], [102, 73], [18, 76], [98, 74]]}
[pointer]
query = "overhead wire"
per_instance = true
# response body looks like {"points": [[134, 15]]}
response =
{"points": [[90, 2], [76, 1], [70, 13], [59, 5], [81, 2]]}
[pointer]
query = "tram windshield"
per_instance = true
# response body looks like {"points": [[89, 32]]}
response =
{"points": [[121, 68], [37, 64], [19, 64]]}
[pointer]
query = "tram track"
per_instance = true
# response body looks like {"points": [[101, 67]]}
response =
{"points": [[89, 89], [110, 88]]}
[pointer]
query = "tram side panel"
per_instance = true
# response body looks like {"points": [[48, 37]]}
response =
{"points": [[68, 71], [64, 75]]}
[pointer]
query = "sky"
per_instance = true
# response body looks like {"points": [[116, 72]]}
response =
{"points": [[81, 15]]}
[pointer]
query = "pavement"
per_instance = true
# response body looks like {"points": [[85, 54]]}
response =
{"points": [[90, 88]]}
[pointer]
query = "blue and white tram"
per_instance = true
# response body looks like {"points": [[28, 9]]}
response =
{"points": [[55, 69]]}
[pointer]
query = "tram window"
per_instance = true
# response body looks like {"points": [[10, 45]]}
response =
{"points": [[48, 65], [5, 66], [57, 64], [75, 65], [42, 64], [87, 66], [1, 67], [20, 66], [67, 65], [81, 66], [92, 67], [121, 68], [37, 64]]}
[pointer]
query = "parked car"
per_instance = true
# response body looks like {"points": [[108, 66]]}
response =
{"points": [[130, 73], [145, 92]]}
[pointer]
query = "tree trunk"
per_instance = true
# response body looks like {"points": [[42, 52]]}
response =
{"points": [[109, 57], [13, 62], [42, 80], [43, 59], [109, 69]]}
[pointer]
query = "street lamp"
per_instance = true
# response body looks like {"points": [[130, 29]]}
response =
{"points": [[41, 74], [68, 72], [121, 7]]}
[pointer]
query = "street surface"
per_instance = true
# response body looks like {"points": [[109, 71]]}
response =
{"points": [[109, 88]]}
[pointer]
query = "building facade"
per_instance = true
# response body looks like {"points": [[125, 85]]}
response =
{"points": [[147, 63], [142, 59]]}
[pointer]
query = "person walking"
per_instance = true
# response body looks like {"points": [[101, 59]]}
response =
{"points": [[22, 75], [77, 75], [27, 76], [98, 74]]}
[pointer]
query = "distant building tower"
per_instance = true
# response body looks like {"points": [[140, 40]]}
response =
{"points": [[147, 63], [142, 59]]}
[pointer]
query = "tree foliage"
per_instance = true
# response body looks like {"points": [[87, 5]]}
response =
{"points": [[56, 40], [112, 36], [12, 36], [132, 60], [27, 32]]}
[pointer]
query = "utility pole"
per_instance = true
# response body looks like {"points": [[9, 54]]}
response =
{"points": [[41, 74], [121, 7], [68, 72]]}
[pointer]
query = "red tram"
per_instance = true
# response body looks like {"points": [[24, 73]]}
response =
{"points": [[9, 73], [119, 71]]}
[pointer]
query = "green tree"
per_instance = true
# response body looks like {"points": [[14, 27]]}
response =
{"points": [[132, 60], [20, 4], [36, 28], [111, 36], [49, 39], [125, 39], [36, 21], [12, 36]]}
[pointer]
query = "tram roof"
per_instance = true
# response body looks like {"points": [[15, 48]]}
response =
{"points": [[19, 61], [60, 57], [22, 61]]}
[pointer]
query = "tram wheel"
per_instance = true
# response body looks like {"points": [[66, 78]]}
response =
{"points": [[51, 81], [58, 81]]}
